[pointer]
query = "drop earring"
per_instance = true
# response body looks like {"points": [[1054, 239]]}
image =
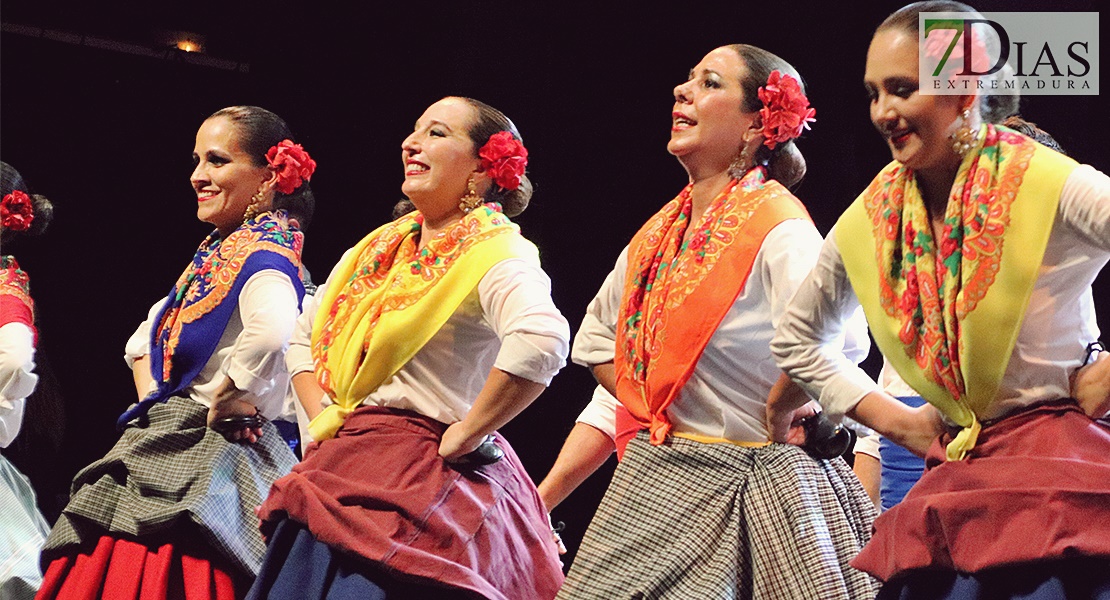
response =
{"points": [[252, 208], [964, 137], [742, 163], [471, 200]]}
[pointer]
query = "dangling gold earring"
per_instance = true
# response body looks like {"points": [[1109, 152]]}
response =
{"points": [[742, 163], [471, 200], [964, 137], [252, 208]]}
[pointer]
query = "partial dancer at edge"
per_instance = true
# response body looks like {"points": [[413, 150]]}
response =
{"points": [[973, 255], [22, 527]]}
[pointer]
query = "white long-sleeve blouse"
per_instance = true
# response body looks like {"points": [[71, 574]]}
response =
{"points": [[726, 396], [251, 350], [507, 322], [1059, 321]]}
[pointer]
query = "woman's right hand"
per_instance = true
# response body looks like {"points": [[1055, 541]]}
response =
{"points": [[457, 442], [925, 426], [230, 403], [1091, 386], [914, 429]]}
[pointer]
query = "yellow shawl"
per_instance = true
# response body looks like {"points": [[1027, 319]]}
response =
{"points": [[388, 298], [947, 314]]}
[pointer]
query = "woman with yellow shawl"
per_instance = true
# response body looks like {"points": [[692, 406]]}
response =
{"points": [[429, 335], [703, 504], [973, 254]]}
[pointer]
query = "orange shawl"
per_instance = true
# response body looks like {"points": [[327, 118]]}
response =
{"points": [[678, 288]]}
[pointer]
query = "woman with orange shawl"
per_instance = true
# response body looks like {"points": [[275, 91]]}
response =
{"points": [[973, 254], [702, 504]]}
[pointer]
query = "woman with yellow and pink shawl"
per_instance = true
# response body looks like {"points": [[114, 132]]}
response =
{"points": [[972, 254]]}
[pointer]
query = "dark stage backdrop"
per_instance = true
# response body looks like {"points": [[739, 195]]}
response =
{"points": [[107, 136]]}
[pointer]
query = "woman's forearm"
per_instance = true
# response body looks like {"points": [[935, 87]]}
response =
{"points": [[503, 397], [912, 428], [606, 375], [583, 453], [309, 393], [869, 471], [785, 398], [140, 371]]}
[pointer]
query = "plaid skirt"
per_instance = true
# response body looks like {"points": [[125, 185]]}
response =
{"points": [[693, 520], [173, 474]]}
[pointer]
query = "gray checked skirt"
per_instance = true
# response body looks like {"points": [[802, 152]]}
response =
{"points": [[719, 521], [171, 476]]}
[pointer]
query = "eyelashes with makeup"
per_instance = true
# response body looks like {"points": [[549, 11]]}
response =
{"points": [[212, 159], [706, 82], [902, 91], [434, 132]]}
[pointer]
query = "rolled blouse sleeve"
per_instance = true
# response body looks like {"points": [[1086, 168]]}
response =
{"points": [[535, 338], [601, 413], [17, 379], [808, 343], [138, 345], [1085, 206], [298, 358]]}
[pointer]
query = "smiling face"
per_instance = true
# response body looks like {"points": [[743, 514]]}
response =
{"points": [[225, 177], [708, 124], [439, 157], [914, 125]]}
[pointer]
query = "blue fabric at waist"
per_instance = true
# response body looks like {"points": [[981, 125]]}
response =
{"points": [[900, 467]]}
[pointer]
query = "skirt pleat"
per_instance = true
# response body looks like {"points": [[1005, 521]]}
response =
{"points": [[693, 520], [118, 569], [379, 491]]}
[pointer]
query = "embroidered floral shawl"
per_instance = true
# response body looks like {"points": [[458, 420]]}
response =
{"points": [[388, 298], [196, 312], [16, 305], [946, 314], [677, 292]]}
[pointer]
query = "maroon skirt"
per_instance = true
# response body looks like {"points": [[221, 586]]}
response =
{"points": [[1035, 487], [380, 491]]}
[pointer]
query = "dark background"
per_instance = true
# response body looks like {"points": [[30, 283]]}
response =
{"points": [[107, 135]]}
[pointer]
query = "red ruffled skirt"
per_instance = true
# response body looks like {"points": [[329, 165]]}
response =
{"points": [[119, 569], [379, 491], [1035, 487]]}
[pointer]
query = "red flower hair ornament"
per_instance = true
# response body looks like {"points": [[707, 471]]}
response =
{"points": [[293, 165], [504, 159], [786, 111], [17, 212]]}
